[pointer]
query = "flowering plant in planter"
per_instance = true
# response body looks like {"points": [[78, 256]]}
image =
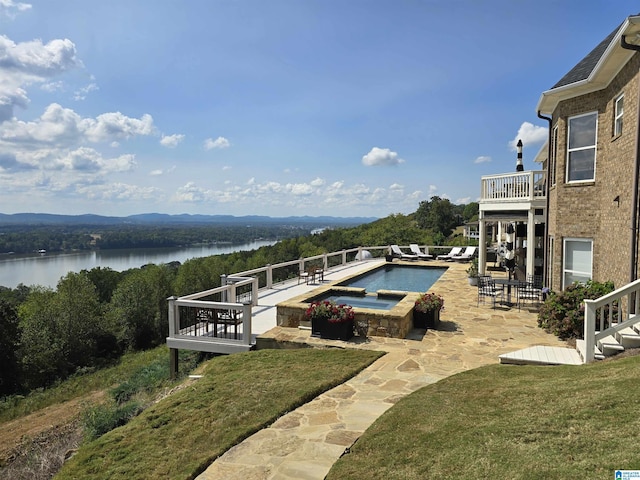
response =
{"points": [[429, 302], [330, 311]]}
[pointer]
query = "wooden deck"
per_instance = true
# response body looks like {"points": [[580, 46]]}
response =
{"points": [[542, 355]]}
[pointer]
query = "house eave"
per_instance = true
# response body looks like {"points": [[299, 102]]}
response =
{"points": [[614, 58]]}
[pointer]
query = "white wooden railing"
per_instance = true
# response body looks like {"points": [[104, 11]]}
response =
{"points": [[519, 186], [608, 314]]}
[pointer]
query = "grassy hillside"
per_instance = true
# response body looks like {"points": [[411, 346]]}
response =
{"points": [[508, 422], [237, 396]]}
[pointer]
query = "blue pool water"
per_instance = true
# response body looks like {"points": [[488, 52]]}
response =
{"points": [[369, 301], [397, 277]]}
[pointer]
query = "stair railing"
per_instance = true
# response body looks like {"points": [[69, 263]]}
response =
{"points": [[610, 313]]}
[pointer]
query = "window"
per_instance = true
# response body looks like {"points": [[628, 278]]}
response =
{"points": [[581, 151], [576, 261], [554, 155], [617, 115]]}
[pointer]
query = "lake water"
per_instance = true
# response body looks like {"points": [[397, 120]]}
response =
{"points": [[47, 269]]}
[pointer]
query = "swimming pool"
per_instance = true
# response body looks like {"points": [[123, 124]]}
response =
{"points": [[377, 302], [397, 283], [406, 278]]}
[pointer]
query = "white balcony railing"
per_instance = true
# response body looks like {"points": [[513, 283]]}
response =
{"points": [[514, 187]]}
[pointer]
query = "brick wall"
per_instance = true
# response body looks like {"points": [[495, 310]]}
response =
{"points": [[588, 210]]}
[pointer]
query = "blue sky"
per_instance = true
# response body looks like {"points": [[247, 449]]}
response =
{"points": [[280, 107]]}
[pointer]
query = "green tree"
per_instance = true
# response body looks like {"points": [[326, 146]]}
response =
{"points": [[105, 280], [471, 211], [138, 308], [79, 318], [437, 215], [9, 342], [41, 348]]}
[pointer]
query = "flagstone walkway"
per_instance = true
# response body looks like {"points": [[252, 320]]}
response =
{"points": [[306, 442]]}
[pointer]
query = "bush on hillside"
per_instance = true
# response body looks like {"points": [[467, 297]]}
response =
{"points": [[563, 313]]}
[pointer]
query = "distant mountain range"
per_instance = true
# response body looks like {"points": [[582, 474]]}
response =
{"points": [[182, 219]]}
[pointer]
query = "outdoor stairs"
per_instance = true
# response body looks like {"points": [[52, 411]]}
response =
{"points": [[620, 337]]}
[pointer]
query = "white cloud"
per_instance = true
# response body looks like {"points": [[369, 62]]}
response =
{"points": [[300, 188], [530, 134], [22, 64], [432, 190], [62, 126], [9, 8], [171, 141], [219, 142], [52, 86], [81, 93], [226, 168], [482, 159], [396, 186], [108, 126], [381, 156], [120, 192], [318, 182]]}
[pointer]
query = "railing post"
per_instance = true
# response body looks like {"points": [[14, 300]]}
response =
{"points": [[301, 266], [246, 324], [223, 282], [269, 276], [254, 291], [589, 330], [325, 262], [344, 257], [173, 314], [233, 291]]}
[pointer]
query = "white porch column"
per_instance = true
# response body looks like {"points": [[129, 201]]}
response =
{"points": [[499, 229], [482, 243], [531, 245]]}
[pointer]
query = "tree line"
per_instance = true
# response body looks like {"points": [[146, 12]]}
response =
{"points": [[58, 238], [94, 316]]}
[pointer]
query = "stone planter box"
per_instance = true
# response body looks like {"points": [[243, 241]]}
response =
{"points": [[426, 320]]}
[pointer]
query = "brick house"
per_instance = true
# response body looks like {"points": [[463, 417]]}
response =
{"points": [[584, 199], [593, 164]]}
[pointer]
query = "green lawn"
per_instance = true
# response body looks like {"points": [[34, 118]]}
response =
{"points": [[238, 395], [508, 422]]}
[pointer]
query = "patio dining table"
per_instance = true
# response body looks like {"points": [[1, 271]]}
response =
{"points": [[507, 282]]}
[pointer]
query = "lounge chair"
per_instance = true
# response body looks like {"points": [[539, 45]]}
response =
{"points": [[396, 252], [454, 251], [468, 254], [415, 249]]}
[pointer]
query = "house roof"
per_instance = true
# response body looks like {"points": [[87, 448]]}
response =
{"points": [[595, 71]]}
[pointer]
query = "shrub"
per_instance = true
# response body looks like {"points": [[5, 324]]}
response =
{"points": [[100, 419], [563, 313]]}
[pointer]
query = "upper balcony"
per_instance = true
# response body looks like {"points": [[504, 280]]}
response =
{"points": [[518, 190]]}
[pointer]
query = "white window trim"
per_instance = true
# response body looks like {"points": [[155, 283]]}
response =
{"points": [[564, 258], [618, 115], [594, 147]]}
